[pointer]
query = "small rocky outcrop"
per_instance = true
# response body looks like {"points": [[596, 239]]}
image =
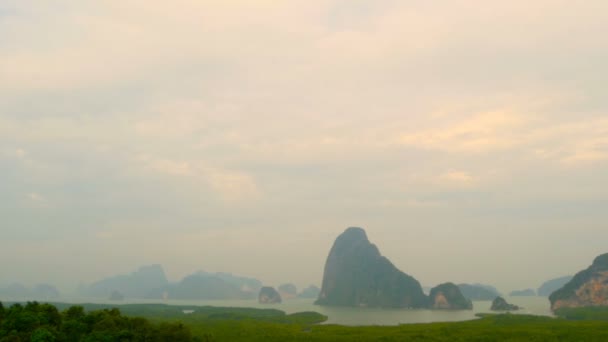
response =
{"points": [[588, 287], [523, 293], [356, 274], [268, 295], [447, 296], [500, 304]]}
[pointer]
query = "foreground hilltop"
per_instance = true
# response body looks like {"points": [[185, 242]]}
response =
{"points": [[356, 274], [588, 287]]}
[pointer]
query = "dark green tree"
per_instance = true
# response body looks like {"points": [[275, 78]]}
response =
{"points": [[43, 323], [43, 335]]}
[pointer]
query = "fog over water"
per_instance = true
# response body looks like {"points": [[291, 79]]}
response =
{"points": [[469, 139]]}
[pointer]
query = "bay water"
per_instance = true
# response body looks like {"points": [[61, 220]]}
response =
{"points": [[363, 316]]}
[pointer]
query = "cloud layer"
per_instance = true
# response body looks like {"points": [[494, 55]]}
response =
{"points": [[232, 135]]}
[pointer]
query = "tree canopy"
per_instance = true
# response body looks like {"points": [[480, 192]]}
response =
{"points": [[44, 323]]}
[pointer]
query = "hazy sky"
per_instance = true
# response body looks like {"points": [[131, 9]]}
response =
{"points": [[469, 138]]}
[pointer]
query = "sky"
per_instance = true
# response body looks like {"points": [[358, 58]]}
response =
{"points": [[469, 139]]}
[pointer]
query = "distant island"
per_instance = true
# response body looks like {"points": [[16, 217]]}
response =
{"points": [[139, 284], [478, 291], [552, 285], [39, 292], [288, 291], [311, 292], [523, 293], [211, 286], [150, 282], [500, 304], [356, 274]]}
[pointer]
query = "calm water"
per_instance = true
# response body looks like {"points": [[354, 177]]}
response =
{"points": [[367, 316]]}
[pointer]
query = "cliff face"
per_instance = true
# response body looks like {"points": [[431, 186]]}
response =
{"points": [[356, 274], [587, 288], [448, 296]]}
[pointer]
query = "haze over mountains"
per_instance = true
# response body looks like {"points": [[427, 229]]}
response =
{"points": [[150, 282], [39, 292], [241, 136], [355, 274]]}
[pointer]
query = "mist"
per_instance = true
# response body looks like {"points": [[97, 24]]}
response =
{"points": [[470, 141]]}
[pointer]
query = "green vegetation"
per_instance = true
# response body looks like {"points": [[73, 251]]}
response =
{"points": [[505, 327], [595, 313], [157, 322], [44, 323]]}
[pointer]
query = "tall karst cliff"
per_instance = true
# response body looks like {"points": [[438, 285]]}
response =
{"points": [[356, 274], [588, 287]]}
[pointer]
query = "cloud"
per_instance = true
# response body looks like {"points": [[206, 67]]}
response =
{"points": [[459, 178], [480, 133], [36, 197], [215, 117], [36, 200], [230, 185], [234, 186], [540, 134]]}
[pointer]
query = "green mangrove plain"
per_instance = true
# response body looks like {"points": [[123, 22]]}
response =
{"points": [[34, 321]]}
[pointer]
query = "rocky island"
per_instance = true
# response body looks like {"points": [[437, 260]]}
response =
{"points": [[588, 287], [500, 304], [448, 296], [268, 295], [356, 274]]}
